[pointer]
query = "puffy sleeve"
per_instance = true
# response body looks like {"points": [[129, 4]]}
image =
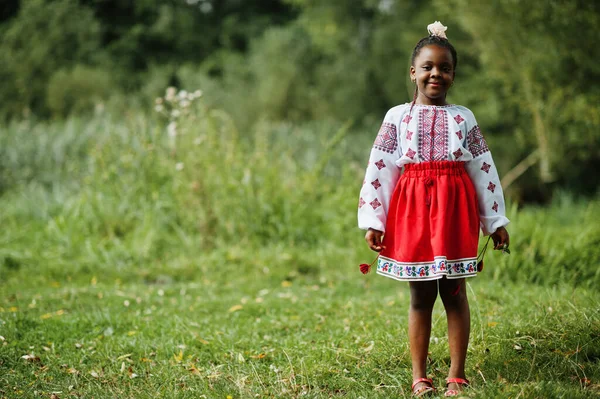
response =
{"points": [[381, 176], [483, 173]]}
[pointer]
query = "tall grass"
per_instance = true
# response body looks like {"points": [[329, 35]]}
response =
{"points": [[113, 192]]}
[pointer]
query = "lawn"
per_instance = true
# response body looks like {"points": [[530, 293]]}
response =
{"points": [[245, 326]]}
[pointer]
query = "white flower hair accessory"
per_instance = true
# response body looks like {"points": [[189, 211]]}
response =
{"points": [[437, 29]]}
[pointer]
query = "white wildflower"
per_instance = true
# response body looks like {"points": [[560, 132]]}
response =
{"points": [[172, 129], [159, 108], [175, 113], [179, 166], [198, 93], [185, 103], [170, 94], [182, 94]]}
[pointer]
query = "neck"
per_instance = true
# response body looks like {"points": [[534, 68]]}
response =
{"points": [[423, 100]]}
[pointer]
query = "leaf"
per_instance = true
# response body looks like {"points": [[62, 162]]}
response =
{"points": [[235, 308], [178, 357]]}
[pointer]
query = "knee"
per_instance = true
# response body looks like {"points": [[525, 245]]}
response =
{"points": [[453, 292], [423, 296]]}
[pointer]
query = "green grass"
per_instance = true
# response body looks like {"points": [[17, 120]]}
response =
{"points": [[248, 327], [225, 263]]}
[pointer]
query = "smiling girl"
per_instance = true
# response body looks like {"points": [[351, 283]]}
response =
{"points": [[425, 221]]}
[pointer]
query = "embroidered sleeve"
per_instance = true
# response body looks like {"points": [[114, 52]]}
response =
{"points": [[380, 178], [485, 178]]}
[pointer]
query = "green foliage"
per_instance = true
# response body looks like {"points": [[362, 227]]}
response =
{"points": [[526, 76], [43, 38], [79, 90], [543, 64]]}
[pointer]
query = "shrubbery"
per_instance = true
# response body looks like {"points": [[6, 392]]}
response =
{"points": [[189, 179]]}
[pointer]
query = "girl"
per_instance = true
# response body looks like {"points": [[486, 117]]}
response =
{"points": [[425, 223]]}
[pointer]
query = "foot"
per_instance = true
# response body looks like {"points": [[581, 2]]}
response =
{"points": [[422, 387], [454, 386]]}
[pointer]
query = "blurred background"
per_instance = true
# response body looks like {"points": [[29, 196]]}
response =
{"points": [[528, 71], [141, 132]]}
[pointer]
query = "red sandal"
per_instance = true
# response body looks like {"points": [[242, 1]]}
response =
{"points": [[460, 381], [425, 390]]}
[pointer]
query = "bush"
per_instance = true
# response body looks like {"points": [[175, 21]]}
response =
{"points": [[78, 90], [43, 38]]}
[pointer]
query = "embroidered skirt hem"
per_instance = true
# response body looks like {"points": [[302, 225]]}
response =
{"points": [[425, 271]]}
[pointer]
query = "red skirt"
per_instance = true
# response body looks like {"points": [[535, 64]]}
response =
{"points": [[432, 228]]}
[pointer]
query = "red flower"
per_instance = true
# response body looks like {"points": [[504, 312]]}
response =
{"points": [[365, 268]]}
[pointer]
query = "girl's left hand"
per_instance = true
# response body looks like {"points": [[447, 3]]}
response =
{"points": [[501, 238]]}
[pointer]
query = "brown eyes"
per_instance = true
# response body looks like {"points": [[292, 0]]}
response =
{"points": [[445, 69]]}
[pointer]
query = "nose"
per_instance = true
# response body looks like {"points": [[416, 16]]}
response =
{"points": [[435, 72]]}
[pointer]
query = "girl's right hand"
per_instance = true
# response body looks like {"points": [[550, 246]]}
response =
{"points": [[373, 239]]}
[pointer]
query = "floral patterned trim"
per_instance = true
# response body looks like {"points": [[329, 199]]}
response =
{"points": [[438, 268]]}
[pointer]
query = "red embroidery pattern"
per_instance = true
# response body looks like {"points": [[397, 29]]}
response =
{"points": [[476, 142], [407, 119], [486, 167], [459, 119], [408, 134], [433, 140], [361, 202], [457, 154], [491, 187], [410, 153], [387, 138], [459, 134], [376, 184], [375, 203], [495, 206]]}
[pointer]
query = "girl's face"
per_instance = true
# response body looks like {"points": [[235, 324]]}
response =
{"points": [[433, 72]]}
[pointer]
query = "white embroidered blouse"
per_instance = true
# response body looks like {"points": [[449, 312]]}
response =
{"points": [[429, 133]]}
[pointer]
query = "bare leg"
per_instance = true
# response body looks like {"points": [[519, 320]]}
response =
{"points": [[454, 297], [422, 299]]}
